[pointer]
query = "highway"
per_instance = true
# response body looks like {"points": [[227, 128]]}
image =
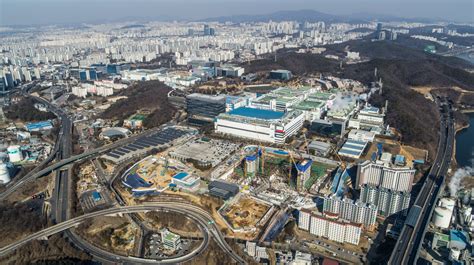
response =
{"points": [[411, 237], [61, 199], [71, 159], [205, 225]]}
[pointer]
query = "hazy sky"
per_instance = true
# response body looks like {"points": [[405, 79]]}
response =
{"points": [[21, 12]]}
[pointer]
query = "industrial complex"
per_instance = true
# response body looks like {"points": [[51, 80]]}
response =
{"points": [[229, 143]]}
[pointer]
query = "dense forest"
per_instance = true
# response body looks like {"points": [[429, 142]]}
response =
{"points": [[400, 67], [151, 95], [25, 110]]}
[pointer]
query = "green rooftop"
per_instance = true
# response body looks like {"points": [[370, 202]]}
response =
{"points": [[138, 117], [171, 237], [310, 105]]}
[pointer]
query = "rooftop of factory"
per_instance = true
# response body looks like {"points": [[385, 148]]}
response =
{"points": [[261, 118], [353, 148], [370, 110], [38, 125], [457, 235], [204, 97], [321, 95], [309, 105], [257, 113]]}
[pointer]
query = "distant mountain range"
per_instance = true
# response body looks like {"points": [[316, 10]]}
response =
{"points": [[311, 16]]}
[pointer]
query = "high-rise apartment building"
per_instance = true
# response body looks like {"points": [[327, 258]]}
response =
{"points": [[353, 211], [330, 227], [388, 201], [384, 175]]}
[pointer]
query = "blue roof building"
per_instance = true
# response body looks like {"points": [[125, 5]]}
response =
{"points": [[96, 196], [257, 113], [39, 126], [458, 239]]}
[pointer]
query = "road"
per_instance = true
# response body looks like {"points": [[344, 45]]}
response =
{"points": [[204, 223], [72, 159], [62, 191], [410, 240]]}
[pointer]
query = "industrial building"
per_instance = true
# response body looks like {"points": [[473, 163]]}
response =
{"points": [[144, 144], [229, 71], [328, 128], [388, 202], [186, 181], [352, 148], [319, 148], [39, 126], [369, 119], [223, 189], [234, 102], [352, 211], [384, 175], [259, 124], [202, 109], [306, 99], [280, 75], [330, 227], [360, 135]]}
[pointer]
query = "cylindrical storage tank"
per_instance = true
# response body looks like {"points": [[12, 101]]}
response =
{"points": [[14, 153], [4, 174], [454, 254], [442, 217]]}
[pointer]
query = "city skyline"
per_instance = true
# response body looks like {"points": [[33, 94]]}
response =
{"points": [[27, 12]]}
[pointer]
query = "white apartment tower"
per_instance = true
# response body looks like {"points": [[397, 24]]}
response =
{"points": [[385, 176]]}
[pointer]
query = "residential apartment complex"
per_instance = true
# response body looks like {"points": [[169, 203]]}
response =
{"points": [[384, 175], [330, 227], [353, 211]]}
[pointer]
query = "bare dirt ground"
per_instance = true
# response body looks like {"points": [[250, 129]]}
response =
{"points": [[32, 188], [113, 233], [246, 212]]}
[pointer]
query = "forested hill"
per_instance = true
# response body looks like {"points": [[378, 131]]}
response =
{"points": [[400, 67]]}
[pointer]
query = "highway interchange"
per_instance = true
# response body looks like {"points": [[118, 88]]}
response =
{"points": [[405, 252], [61, 199], [206, 226], [411, 237]]}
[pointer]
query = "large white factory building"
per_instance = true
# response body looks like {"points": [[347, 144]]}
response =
{"points": [[259, 124]]}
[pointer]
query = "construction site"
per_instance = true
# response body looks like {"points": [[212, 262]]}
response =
{"points": [[261, 164], [245, 213], [157, 173]]}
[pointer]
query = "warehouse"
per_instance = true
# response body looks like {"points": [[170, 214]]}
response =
{"points": [[258, 124]]}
